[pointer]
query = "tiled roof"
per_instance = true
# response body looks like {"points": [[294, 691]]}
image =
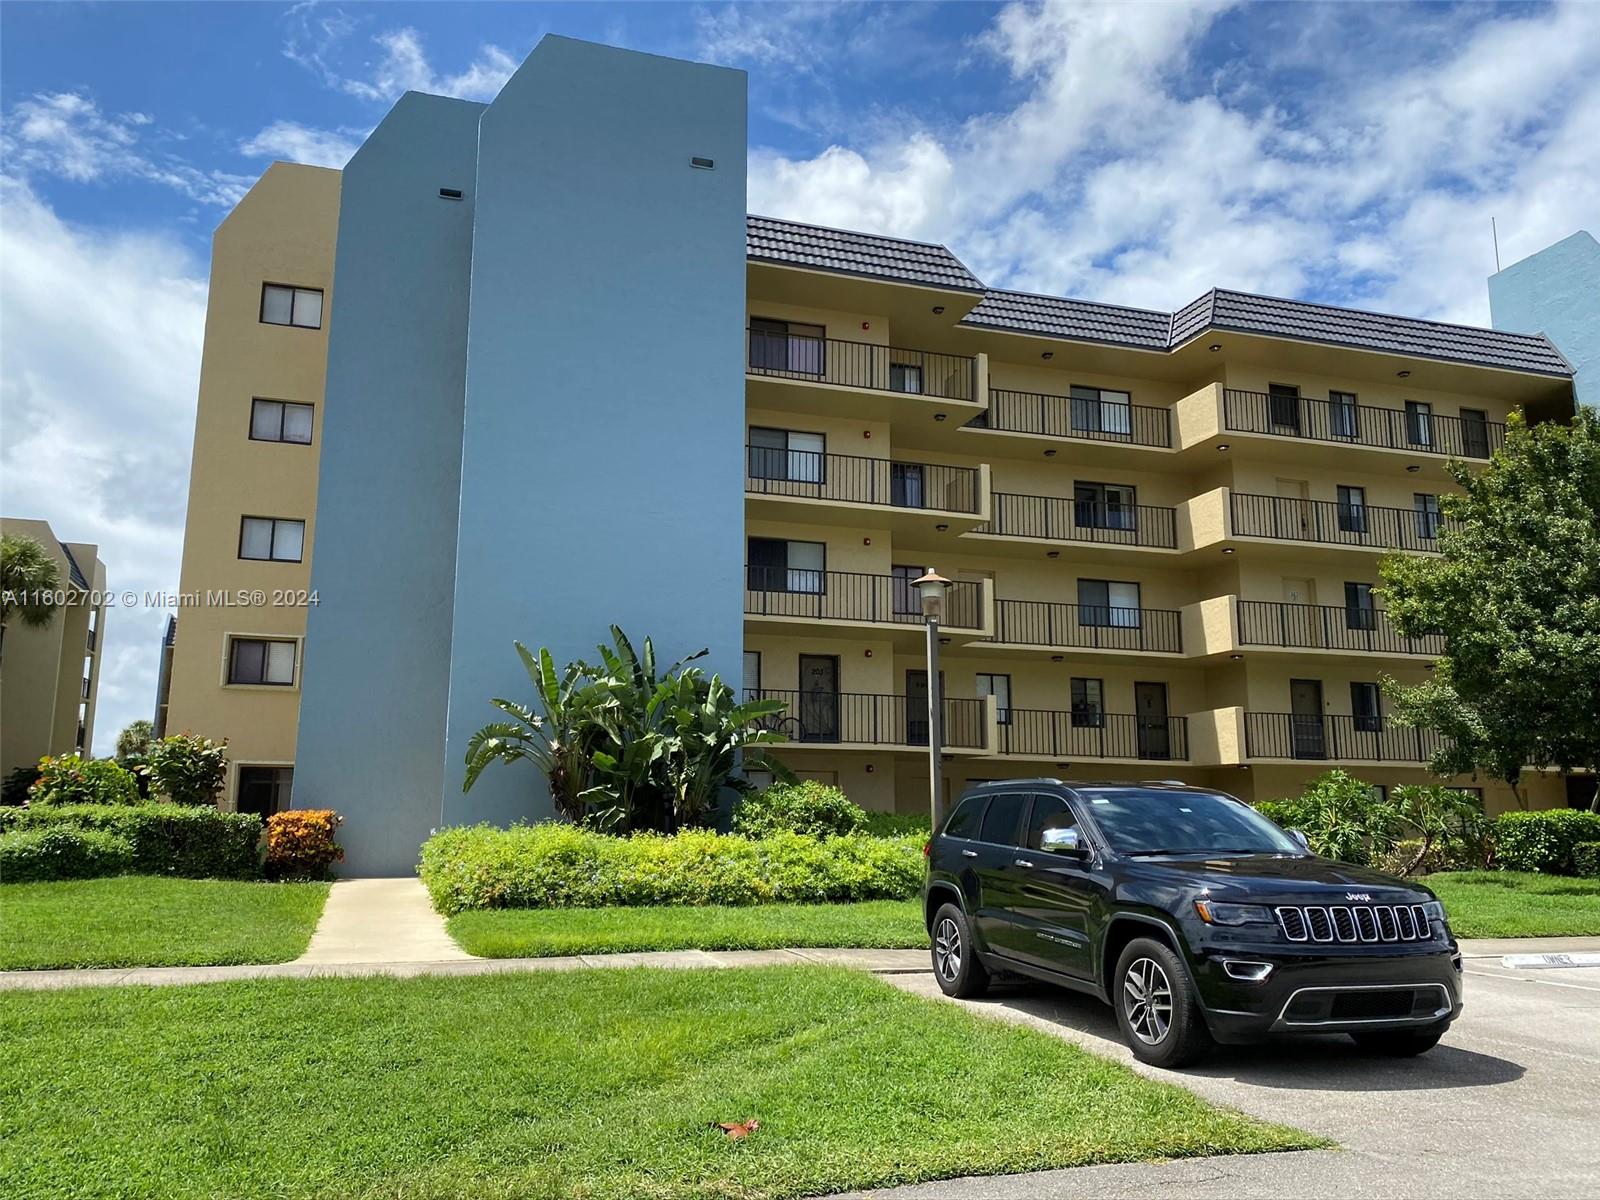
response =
{"points": [[1078, 319], [75, 571], [869, 254]]}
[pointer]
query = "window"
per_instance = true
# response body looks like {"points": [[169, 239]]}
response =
{"points": [[965, 820], [1364, 707], [1359, 610], [1474, 433], [1004, 818], [1344, 415], [282, 305], [1419, 423], [1095, 410], [1105, 505], [1107, 602], [1378, 793], [280, 421], [905, 377], [1352, 509], [776, 565], [1283, 408], [786, 346], [1049, 812], [998, 686], [786, 454], [1427, 510], [264, 790], [752, 671], [905, 485], [272, 538], [260, 660], [1088, 703]]}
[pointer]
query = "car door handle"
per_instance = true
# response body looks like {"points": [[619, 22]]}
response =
{"points": [[1022, 862], [969, 854]]}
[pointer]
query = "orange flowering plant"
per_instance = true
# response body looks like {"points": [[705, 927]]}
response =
{"points": [[300, 843]]}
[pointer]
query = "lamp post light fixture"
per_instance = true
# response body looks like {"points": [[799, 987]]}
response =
{"points": [[931, 589]]}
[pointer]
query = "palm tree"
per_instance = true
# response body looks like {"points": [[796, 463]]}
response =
{"points": [[28, 578]]}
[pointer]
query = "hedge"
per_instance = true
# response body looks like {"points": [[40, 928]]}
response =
{"points": [[1544, 840], [300, 843], [166, 839], [808, 807], [563, 866], [62, 852], [1586, 859]]}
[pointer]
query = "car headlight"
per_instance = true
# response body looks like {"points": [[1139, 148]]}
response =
{"points": [[1213, 913], [1435, 911]]}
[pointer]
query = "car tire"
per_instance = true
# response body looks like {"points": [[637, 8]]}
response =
{"points": [[1156, 1006], [1398, 1043], [956, 967]]}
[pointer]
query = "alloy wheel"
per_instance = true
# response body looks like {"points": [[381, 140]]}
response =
{"points": [[1147, 1000], [947, 950]]}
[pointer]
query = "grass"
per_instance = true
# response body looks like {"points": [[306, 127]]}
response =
{"points": [[537, 933], [590, 1084], [154, 921], [1503, 904]]}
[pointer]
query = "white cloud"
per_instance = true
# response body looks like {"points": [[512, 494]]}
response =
{"points": [[293, 142], [317, 38], [97, 401]]}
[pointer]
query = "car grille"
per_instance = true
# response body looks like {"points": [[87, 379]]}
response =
{"points": [[1355, 923]]}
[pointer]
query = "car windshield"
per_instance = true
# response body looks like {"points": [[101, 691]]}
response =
{"points": [[1140, 820]]}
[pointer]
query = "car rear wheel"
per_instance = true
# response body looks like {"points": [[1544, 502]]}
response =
{"points": [[1156, 1007], [1398, 1043], [955, 959]]}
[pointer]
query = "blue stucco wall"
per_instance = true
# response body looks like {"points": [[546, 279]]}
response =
{"points": [[377, 654], [601, 474], [1557, 292]]}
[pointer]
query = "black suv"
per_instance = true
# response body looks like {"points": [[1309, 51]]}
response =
{"points": [[1193, 916]]}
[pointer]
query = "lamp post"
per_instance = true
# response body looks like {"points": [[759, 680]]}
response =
{"points": [[931, 588]]}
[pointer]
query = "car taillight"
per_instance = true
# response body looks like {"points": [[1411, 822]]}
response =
{"points": [[927, 848]]}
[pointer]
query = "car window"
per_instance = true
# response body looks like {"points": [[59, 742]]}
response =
{"points": [[1000, 823], [1049, 812], [1148, 820], [964, 821]]}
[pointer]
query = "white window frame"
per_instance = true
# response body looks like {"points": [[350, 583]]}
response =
{"points": [[233, 640]]}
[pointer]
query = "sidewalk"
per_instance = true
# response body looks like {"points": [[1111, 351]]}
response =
{"points": [[380, 921]]}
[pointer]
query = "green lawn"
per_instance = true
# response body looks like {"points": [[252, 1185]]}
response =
{"points": [[586, 1084], [153, 921], [1484, 904], [540, 932]]}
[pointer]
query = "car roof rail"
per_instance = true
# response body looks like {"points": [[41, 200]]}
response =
{"points": [[1166, 783]]}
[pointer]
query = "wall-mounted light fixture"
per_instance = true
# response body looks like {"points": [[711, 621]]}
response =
{"points": [[1048, 355], [1227, 549], [1236, 657], [938, 310], [1402, 374], [1214, 347], [942, 528], [1223, 447], [940, 416], [1049, 453], [1052, 554], [1413, 468]]}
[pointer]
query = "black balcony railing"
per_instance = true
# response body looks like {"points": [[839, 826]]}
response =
{"points": [[1360, 424], [1070, 736], [1069, 417], [848, 596], [808, 474], [871, 719], [1327, 627], [864, 365], [1054, 519], [1334, 738], [1087, 626], [1332, 523]]}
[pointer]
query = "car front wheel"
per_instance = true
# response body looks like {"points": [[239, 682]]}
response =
{"points": [[955, 959], [1156, 1007]]}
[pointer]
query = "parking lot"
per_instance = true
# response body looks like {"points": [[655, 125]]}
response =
{"points": [[1506, 1105]]}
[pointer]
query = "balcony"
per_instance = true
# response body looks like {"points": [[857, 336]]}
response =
{"points": [[1412, 432], [1040, 414], [844, 600], [809, 485], [1358, 526], [1334, 738], [1053, 519], [864, 720], [1104, 737], [863, 379], [1053, 626], [1329, 627]]}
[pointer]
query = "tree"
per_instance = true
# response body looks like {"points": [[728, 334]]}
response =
{"points": [[188, 769], [134, 741], [1515, 591], [29, 577]]}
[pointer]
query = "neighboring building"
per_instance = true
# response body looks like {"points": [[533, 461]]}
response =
{"points": [[50, 676], [570, 383], [169, 639], [1556, 292]]}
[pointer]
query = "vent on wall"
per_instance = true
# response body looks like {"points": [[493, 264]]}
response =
{"points": [[705, 164], [450, 193]]}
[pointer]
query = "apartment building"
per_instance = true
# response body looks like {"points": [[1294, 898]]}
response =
{"points": [[568, 382], [50, 675]]}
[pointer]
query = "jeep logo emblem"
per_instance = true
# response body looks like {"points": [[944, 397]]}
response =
{"points": [[1358, 895]]}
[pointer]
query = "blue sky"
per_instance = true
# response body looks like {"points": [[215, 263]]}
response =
{"points": [[1134, 153]]}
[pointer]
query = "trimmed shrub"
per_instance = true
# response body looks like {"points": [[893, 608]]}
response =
{"points": [[62, 852], [882, 824], [1288, 813], [1586, 859], [300, 843], [564, 866], [71, 779], [806, 807], [187, 768], [1543, 841], [167, 839], [14, 790]]}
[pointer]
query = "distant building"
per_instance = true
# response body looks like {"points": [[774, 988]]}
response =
{"points": [[49, 676], [1556, 292], [169, 639]]}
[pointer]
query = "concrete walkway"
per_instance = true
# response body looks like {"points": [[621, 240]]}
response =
{"points": [[380, 921]]}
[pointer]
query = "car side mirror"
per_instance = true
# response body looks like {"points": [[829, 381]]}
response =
{"points": [[1063, 841], [1305, 842]]}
